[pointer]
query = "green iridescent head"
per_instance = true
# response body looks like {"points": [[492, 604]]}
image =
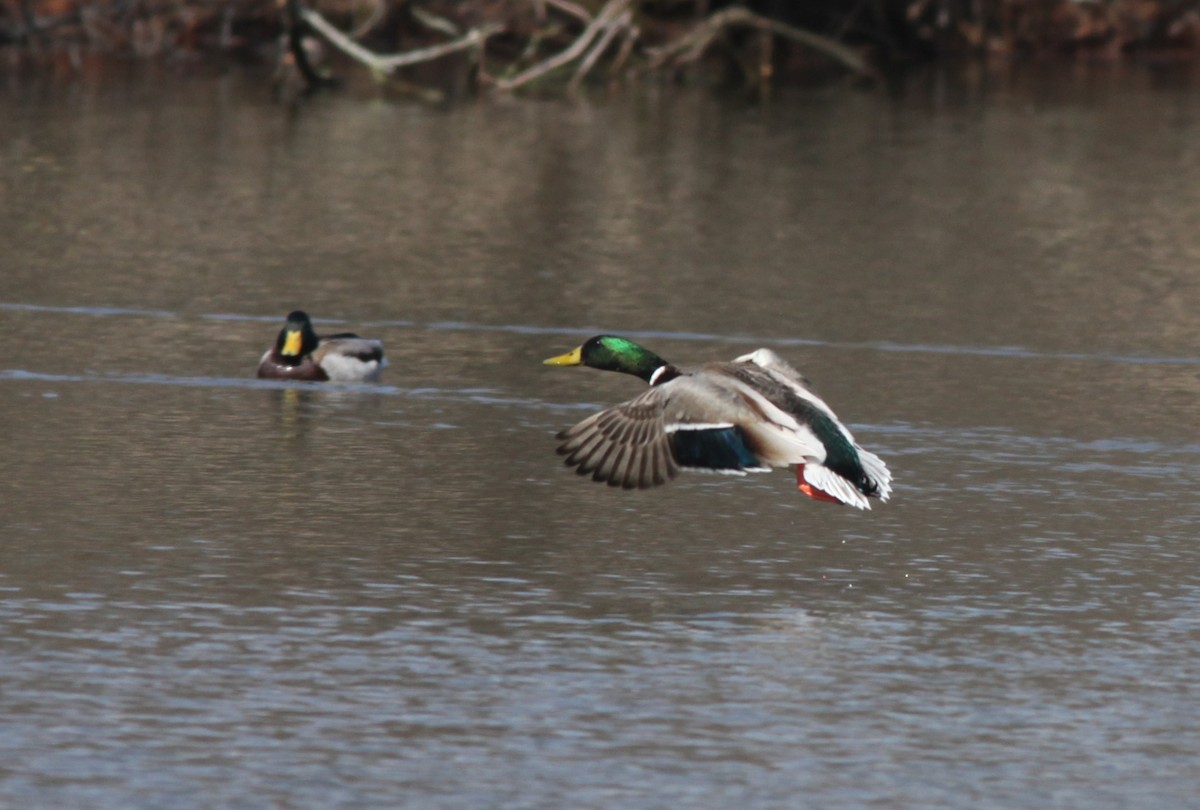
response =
{"points": [[612, 353]]}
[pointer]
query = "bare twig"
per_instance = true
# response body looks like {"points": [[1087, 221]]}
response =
{"points": [[622, 23], [339, 40], [378, 12], [631, 36], [474, 38], [692, 45], [434, 22], [571, 9], [386, 64], [612, 9], [536, 38]]}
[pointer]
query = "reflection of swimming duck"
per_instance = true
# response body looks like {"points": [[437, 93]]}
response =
{"points": [[748, 415], [299, 354]]}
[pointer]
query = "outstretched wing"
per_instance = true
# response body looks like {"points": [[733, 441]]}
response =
{"points": [[625, 445], [682, 424]]}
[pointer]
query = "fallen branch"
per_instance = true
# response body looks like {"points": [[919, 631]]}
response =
{"points": [[632, 32], [386, 64], [614, 19], [433, 22], [622, 23], [377, 15], [611, 11], [692, 45], [572, 9]]}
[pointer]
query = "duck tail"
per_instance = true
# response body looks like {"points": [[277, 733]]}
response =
{"points": [[878, 476], [811, 491], [823, 484]]}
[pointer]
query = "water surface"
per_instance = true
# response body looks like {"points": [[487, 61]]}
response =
{"points": [[221, 592]]}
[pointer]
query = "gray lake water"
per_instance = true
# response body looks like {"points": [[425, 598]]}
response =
{"points": [[220, 592]]}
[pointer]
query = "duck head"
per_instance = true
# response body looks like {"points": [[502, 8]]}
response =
{"points": [[297, 339], [612, 353]]}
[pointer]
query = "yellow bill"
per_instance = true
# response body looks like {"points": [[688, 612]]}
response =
{"points": [[292, 344], [571, 358]]}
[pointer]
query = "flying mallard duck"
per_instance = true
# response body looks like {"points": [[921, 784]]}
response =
{"points": [[299, 354], [749, 415]]}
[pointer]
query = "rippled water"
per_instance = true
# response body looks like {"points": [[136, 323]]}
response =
{"points": [[224, 592]]}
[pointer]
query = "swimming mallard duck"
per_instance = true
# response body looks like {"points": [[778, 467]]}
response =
{"points": [[745, 416], [299, 354]]}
